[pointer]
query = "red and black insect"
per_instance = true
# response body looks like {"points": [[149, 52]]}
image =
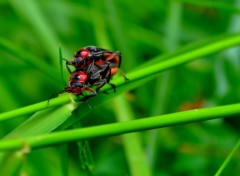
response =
{"points": [[92, 58], [94, 67], [78, 83]]}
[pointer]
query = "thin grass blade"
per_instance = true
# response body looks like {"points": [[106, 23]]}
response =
{"points": [[123, 127]]}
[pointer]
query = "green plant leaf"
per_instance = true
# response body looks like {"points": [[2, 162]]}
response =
{"points": [[43, 122]]}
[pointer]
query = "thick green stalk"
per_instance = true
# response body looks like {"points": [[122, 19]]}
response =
{"points": [[163, 86], [132, 142], [122, 128]]}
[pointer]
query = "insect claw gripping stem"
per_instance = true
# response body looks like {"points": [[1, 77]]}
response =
{"points": [[105, 92], [93, 92], [85, 98], [113, 86], [124, 75]]}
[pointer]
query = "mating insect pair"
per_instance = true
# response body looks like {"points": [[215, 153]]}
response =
{"points": [[94, 67]]}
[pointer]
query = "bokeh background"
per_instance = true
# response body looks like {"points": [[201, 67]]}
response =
{"points": [[31, 33]]}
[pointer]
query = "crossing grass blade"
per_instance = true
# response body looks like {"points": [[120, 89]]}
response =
{"points": [[229, 157], [147, 123], [61, 65]]}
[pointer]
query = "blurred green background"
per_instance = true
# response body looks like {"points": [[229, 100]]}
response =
{"points": [[32, 31]]}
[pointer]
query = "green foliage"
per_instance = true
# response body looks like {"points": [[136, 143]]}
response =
{"points": [[179, 55]]}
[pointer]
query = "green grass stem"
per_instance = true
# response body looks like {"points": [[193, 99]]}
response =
{"points": [[227, 160], [133, 144], [122, 128], [36, 107]]}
